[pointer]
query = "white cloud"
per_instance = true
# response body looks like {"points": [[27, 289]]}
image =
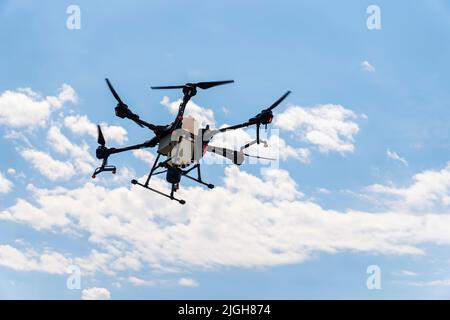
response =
{"points": [[366, 66], [141, 282], [394, 156], [286, 151], [187, 282], [49, 262], [24, 212], [96, 294], [25, 108], [146, 156], [5, 184], [81, 125], [430, 190], [79, 155], [329, 127], [279, 226], [47, 166], [202, 115], [11, 171]]}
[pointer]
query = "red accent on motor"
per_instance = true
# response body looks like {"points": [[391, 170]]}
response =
{"points": [[180, 118]]}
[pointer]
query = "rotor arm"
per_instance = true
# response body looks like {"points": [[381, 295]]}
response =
{"points": [[146, 144], [265, 117], [103, 154], [134, 117], [237, 126], [189, 92]]}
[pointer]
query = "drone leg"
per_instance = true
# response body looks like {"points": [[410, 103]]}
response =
{"points": [[155, 165], [199, 176], [172, 191]]}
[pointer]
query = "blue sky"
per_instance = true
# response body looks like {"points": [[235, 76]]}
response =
{"points": [[327, 216]]}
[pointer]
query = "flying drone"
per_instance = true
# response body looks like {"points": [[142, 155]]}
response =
{"points": [[181, 142]]}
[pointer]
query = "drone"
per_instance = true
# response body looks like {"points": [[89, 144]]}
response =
{"points": [[181, 142]]}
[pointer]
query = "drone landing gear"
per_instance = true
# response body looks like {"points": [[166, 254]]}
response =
{"points": [[103, 169], [171, 197], [174, 183], [157, 165], [199, 176]]}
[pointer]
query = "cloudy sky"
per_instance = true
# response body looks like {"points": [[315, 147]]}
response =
{"points": [[362, 177]]}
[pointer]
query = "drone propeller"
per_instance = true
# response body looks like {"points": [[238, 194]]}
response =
{"points": [[102, 153], [114, 92], [101, 139], [201, 85], [122, 110], [266, 116], [276, 103]]}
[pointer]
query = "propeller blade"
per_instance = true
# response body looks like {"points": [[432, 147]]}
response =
{"points": [[201, 85], [235, 156], [210, 84], [167, 87], [276, 103], [101, 139], [114, 93]]}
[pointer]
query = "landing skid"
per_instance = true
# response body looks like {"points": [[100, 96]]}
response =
{"points": [[184, 173], [170, 196], [199, 176]]}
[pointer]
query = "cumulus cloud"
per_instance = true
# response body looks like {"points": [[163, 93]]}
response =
{"points": [[5, 184], [81, 125], [146, 156], [78, 154], [257, 221], [329, 127], [49, 262], [26, 108], [96, 294], [430, 190], [51, 168], [394, 156], [366, 66]]}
